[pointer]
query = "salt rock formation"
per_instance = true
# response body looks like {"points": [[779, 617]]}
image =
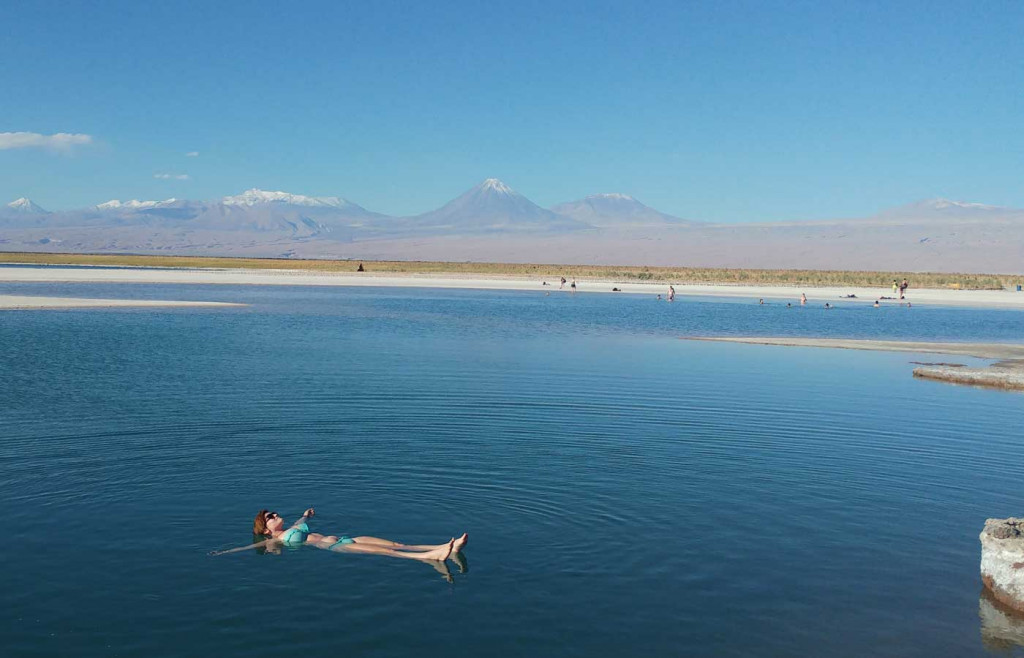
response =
{"points": [[1002, 560], [1007, 374]]}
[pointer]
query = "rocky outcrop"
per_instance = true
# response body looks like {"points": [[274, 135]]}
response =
{"points": [[1002, 560]]}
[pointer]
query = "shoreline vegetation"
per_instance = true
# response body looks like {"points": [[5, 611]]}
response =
{"points": [[629, 274]]}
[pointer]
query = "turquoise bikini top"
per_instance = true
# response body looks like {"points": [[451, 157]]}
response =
{"points": [[296, 535]]}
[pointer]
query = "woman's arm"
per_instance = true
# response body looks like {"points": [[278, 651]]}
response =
{"points": [[265, 542], [308, 514]]}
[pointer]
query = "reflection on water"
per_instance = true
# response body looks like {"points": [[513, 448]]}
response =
{"points": [[1002, 627], [461, 563]]}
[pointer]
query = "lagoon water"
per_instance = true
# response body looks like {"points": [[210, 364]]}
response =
{"points": [[626, 492]]}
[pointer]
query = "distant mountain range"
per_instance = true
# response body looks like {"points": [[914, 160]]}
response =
{"points": [[493, 222], [490, 207]]}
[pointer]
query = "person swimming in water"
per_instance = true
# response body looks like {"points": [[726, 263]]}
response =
{"points": [[272, 526]]}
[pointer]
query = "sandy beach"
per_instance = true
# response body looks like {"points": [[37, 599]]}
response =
{"points": [[19, 302], [771, 294]]}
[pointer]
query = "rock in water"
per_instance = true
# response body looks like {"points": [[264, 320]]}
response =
{"points": [[1002, 560]]}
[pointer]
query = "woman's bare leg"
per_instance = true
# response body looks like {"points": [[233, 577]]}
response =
{"points": [[377, 541], [439, 553], [419, 548], [387, 543]]}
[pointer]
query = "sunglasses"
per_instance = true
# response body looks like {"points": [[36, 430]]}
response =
{"points": [[271, 515]]}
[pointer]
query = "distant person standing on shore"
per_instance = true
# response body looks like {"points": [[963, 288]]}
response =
{"points": [[671, 294], [573, 286], [360, 268], [895, 286], [803, 299], [903, 287], [562, 284]]}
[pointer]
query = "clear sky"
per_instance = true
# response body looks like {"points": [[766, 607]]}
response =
{"points": [[722, 111]]}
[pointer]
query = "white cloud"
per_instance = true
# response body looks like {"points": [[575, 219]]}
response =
{"points": [[56, 142], [192, 154], [171, 176]]}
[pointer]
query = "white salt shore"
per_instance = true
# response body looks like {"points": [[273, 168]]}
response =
{"points": [[1006, 374], [771, 294], [978, 350], [12, 302]]}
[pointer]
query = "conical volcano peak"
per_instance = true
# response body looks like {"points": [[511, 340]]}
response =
{"points": [[614, 196], [490, 207], [495, 185], [25, 205]]}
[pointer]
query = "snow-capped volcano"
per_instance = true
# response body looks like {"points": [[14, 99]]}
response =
{"points": [[255, 211], [256, 197], [943, 204], [24, 205], [496, 186], [134, 204], [608, 210], [493, 206], [947, 209]]}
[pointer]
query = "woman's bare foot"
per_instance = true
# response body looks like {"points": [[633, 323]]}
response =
{"points": [[460, 543], [441, 553]]}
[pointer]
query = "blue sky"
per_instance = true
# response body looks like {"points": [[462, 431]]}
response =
{"points": [[722, 111]]}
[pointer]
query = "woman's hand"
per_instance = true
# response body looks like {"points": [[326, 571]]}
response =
{"points": [[309, 513]]}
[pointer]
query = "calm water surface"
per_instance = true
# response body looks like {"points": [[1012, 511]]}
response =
{"points": [[625, 492]]}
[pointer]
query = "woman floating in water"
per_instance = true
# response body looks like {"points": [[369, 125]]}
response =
{"points": [[271, 525]]}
